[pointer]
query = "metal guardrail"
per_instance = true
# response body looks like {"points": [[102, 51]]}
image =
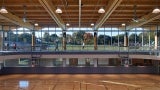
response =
{"points": [[88, 50], [75, 52]]}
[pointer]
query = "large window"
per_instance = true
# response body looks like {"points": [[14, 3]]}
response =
{"points": [[52, 39]]}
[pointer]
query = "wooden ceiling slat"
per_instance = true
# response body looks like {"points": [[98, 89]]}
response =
{"points": [[40, 11], [47, 4], [143, 20], [112, 5], [16, 20], [123, 13]]}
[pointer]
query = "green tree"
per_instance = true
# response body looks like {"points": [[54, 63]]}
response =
{"points": [[152, 36], [78, 37], [121, 38], [118, 39], [46, 37], [11, 36], [53, 37], [25, 37], [69, 38], [146, 37], [133, 37], [104, 39]]}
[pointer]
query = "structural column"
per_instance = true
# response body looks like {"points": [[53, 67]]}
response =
{"points": [[5, 46], [95, 40], [33, 40], [64, 40], [156, 38], [95, 48], [1, 64], [64, 62], [126, 39], [156, 41], [1, 39], [156, 64], [95, 62]]}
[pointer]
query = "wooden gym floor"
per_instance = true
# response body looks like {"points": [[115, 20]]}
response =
{"points": [[80, 82]]}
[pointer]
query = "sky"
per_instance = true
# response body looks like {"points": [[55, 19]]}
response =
{"points": [[58, 31]]}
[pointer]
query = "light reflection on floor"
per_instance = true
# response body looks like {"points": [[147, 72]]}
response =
{"points": [[80, 82]]}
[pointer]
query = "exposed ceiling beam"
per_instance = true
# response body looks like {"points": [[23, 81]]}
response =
{"points": [[143, 20], [49, 7], [33, 14], [128, 11], [6, 23], [20, 4], [29, 10], [35, 4], [112, 5], [16, 20]]}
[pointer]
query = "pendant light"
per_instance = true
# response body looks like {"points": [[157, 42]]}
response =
{"points": [[24, 15], [156, 10], [92, 24], [58, 10], [101, 10], [67, 24], [36, 24], [3, 9]]}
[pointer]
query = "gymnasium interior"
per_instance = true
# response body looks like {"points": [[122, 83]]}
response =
{"points": [[79, 44]]}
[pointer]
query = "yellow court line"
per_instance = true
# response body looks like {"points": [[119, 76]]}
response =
{"points": [[89, 83], [119, 83]]}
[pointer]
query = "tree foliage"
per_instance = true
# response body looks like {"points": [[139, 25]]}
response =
{"points": [[104, 39], [133, 37], [25, 37], [78, 37]]}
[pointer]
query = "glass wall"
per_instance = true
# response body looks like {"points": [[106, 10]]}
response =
{"points": [[75, 62], [21, 62], [109, 38]]}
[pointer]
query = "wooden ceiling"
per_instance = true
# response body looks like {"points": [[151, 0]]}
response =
{"points": [[43, 13]]}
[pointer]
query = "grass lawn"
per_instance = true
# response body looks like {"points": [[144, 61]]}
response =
{"points": [[100, 48]]}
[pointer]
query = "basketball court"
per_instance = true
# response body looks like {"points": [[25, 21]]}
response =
{"points": [[80, 82]]}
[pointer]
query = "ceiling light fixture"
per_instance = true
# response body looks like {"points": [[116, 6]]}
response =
{"points": [[67, 24], [24, 14], [101, 10], [24, 19], [123, 24], [36, 24], [156, 10], [3, 9], [58, 10], [92, 24]]}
